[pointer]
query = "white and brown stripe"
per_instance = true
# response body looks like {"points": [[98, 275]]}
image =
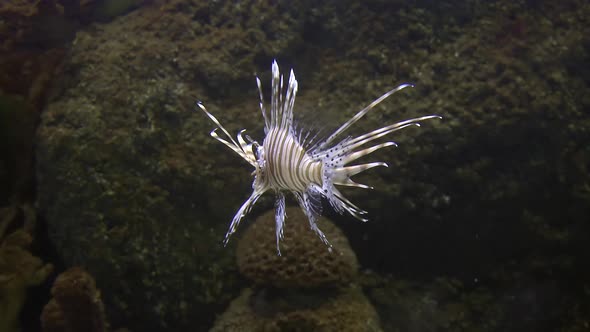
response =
{"points": [[288, 166]]}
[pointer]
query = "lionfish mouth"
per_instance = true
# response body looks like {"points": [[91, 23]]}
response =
{"points": [[286, 162]]}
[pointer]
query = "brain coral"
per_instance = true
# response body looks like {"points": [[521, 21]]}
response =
{"points": [[305, 262]]}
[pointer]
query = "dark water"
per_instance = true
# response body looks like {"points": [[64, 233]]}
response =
{"points": [[480, 223]]}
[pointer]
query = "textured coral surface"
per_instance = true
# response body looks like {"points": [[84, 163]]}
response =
{"points": [[309, 288], [305, 261]]}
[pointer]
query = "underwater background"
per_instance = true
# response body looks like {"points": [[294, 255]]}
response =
{"points": [[114, 199]]}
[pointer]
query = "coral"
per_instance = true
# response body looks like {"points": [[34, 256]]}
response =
{"points": [[347, 310], [76, 304], [296, 290], [19, 268], [305, 261]]}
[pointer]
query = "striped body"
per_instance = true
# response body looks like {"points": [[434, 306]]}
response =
{"points": [[285, 164], [288, 165]]}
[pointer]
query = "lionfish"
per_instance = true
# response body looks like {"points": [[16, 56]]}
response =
{"points": [[288, 162]]}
